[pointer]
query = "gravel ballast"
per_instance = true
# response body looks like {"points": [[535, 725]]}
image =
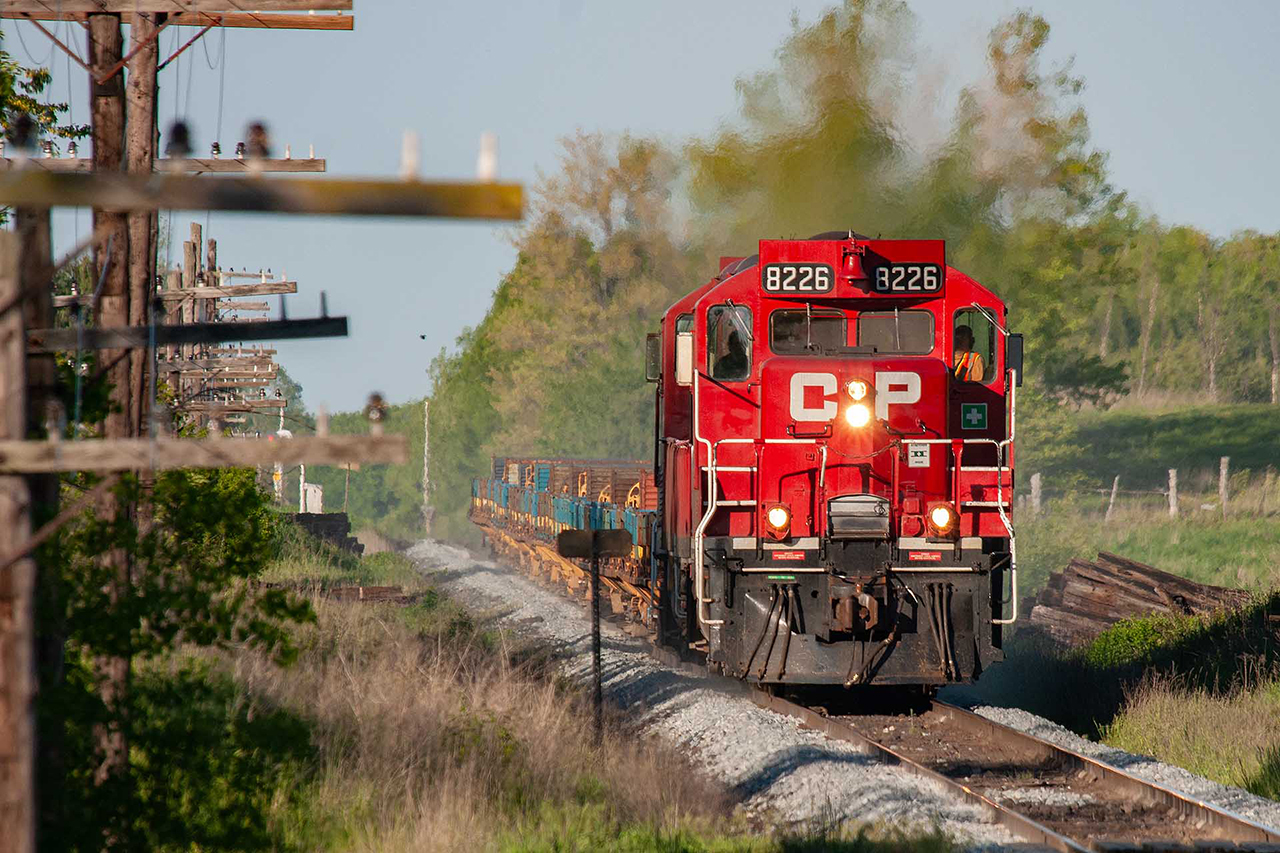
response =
{"points": [[780, 771]]}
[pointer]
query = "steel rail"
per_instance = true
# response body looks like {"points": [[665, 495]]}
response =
{"points": [[1018, 824], [1233, 826]]}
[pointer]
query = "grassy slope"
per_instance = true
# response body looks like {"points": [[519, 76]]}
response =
{"points": [[1243, 550], [1232, 738], [1141, 446]]}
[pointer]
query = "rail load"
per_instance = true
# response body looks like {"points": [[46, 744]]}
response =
{"points": [[526, 502]]}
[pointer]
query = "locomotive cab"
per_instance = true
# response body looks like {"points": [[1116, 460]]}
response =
{"points": [[834, 459]]}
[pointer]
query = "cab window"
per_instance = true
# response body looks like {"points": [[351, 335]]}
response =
{"points": [[896, 332], [684, 323], [795, 332], [728, 343], [973, 347]]}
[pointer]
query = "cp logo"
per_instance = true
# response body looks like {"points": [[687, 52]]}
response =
{"points": [[811, 394]]}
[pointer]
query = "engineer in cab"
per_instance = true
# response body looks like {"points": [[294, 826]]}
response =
{"points": [[968, 365]]}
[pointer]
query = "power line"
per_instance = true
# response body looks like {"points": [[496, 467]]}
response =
{"points": [[27, 50]]}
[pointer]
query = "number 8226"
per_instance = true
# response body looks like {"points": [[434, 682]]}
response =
{"points": [[908, 278]]}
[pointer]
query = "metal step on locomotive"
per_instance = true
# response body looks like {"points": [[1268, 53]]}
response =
{"points": [[830, 498]]}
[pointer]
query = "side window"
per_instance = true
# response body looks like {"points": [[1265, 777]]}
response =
{"points": [[728, 343], [684, 323], [973, 347]]}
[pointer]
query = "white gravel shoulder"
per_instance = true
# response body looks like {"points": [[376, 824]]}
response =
{"points": [[779, 770], [1237, 800]]}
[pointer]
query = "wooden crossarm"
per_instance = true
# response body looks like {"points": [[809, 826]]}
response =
{"points": [[244, 306], [216, 381], [126, 454], [196, 165], [216, 406], [178, 294], [128, 337], [330, 196], [37, 8], [242, 365], [241, 20], [220, 375]]}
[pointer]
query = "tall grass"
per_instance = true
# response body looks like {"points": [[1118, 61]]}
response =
{"points": [[429, 731], [429, 735], [1231, 737], [305, 560]]}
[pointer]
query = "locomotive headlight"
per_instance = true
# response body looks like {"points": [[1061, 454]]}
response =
{"points": [[943, 518], [857, 389], [857, 415], [778, 517]]}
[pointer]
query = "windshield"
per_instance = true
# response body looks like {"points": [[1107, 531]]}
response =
{"points": [[797, 332], [901, 332]]}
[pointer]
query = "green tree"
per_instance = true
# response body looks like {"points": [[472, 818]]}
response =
{"points": [[207, 533], [555, 368], [20, 91]]}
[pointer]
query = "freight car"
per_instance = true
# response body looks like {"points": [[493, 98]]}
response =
{"points": [[528, 501], [830, 500]]}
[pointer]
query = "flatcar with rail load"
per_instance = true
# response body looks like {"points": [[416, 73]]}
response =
{"points": [[830, 498]]}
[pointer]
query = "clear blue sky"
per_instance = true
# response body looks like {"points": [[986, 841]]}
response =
{"points": [[1181, 95]]}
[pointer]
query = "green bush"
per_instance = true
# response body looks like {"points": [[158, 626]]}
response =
{"points": [[1086, 689], [197, 769], [205, 765], [1138, 642]]}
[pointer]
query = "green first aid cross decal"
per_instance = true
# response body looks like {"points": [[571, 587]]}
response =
{"points": [[973, 415]]}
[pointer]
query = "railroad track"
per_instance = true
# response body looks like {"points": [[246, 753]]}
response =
{"points": [[1044, 793], [1039, 791]]}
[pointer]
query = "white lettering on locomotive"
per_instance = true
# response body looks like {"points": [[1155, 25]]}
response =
{"points": [[894, 386], [801, 412]]}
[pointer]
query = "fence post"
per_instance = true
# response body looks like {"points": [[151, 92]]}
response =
{"points": [[1111, 504], [1173, 492], [1223, 468], [1035, 494]]}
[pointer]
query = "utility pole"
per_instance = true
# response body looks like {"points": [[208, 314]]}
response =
{"points": [[17, 687], [35, 270], [140, 153], [426, 467], [106, 87], [107, 134]]}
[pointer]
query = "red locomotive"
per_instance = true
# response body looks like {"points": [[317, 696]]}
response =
{"points": [[834, 454], [833, 466]]}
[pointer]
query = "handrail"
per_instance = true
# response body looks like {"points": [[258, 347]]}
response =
{"points": [[1012, 385], [700, 603], [713, 485], [713, 498]]}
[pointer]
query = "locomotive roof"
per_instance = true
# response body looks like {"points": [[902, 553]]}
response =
{"points": [[725, 277]]}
